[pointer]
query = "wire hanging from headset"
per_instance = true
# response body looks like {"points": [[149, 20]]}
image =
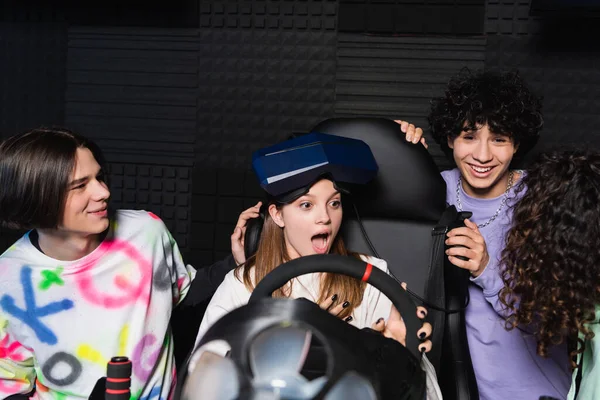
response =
{"points": [[413, 294]]}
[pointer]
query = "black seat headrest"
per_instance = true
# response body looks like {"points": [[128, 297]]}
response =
{"points": [[408, 184]]}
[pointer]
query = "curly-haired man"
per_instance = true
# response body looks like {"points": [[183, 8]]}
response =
{"points": [[483, 120]]}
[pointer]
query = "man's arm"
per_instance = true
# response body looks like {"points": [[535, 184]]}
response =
{"points": [[207, 281]]}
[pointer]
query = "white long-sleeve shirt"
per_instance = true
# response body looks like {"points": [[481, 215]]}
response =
{"points": [[233, 294]]}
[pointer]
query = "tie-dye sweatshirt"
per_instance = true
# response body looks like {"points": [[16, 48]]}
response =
{"points": [[60, 322]]}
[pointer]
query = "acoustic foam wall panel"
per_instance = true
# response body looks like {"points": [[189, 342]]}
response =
{"points": [[396, 77], [133, 90], [269, 14], [256, 87], [510, 17], [569, 83], [31, 75], [266, 69], [164, 190], [412, 17]]}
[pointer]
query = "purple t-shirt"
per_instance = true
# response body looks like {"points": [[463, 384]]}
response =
{"points": [[505, 362]]}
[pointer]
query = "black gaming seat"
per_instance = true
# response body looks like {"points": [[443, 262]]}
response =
{"points": [[399, 211]]}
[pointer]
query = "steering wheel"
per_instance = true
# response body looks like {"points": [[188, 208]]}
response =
{"points": [[349, 266], [267, 339]]}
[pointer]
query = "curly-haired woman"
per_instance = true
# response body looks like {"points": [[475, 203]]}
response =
{"points": [[552, 262], [484, 120]]}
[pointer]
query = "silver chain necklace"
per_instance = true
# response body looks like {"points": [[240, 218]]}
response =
{"points": [[502, 203]]}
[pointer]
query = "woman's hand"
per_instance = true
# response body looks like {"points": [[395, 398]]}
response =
{"points": [[413, 134], [394, 327], [237, 237], [329, 305]]}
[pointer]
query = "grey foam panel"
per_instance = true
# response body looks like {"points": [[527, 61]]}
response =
{"points": [[164, 190], [510, 17], [396, 77], [568, 82], [412, 17], [219, 196], [133, 90], [274, 15], [258, 86], [32, 75], [33, 46]]}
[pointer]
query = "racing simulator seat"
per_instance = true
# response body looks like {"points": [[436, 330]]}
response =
{"points": [[402, 218], [402, 213], [292, 349]]}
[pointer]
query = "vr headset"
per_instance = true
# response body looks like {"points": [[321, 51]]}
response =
{"points": [[288, 169], [286, 349], [299, 162]]}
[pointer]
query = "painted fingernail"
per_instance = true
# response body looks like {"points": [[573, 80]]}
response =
{"points": [[422, 349], [422, 313], [380, 320], [422, 335], [346, 304], [334, 297], [348, 319]]}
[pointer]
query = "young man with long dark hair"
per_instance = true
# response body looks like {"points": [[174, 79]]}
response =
{"points": [[85, 284]]}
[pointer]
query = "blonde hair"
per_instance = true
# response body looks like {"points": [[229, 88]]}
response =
{"points": [[272, 252]]}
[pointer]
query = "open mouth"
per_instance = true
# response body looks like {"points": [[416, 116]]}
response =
{"points": [[320, 243]]}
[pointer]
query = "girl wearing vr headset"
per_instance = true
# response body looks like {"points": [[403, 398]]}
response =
{"points": [[304, 222], [552, 262], [482, 122], [83, 285]]}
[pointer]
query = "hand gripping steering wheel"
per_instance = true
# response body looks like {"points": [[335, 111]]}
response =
{"points": [[270, 338], [355, 268]]}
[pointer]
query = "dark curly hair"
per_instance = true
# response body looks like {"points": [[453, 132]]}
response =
{"points": [[552, 254], [501, 100]]}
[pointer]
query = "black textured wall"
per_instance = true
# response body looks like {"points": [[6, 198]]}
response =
{"points": [[133, 90], [561, 65], [265, 69], [180, 94], [414, 17], [395, 77], [32, 77]]}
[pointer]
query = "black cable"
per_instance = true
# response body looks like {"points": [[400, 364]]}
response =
{"points": [[413, 294]]}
